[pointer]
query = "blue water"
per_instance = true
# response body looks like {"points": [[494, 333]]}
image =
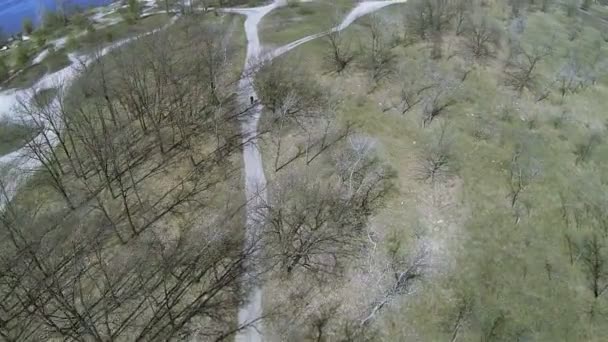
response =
{"points": [[12, 12]]}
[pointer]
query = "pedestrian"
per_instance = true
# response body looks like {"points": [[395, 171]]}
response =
{"points": [[251, 99]]}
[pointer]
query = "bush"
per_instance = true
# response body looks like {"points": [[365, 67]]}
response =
{"points": [[40, 40], [81, 21], [132, 12], [53, 21], [28, 26], [4, 70], [72, 43], [22, 55]]}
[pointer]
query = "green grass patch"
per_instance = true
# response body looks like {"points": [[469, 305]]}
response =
{"points": [[107, 35], [13, 136], [300, 19], [55, 61]]}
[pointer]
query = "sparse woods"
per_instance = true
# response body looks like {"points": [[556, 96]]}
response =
{"points": [[299, 107], [437, 171], [326, 183], [123, 235], [507, 99], [313, 223], [316, 225]]}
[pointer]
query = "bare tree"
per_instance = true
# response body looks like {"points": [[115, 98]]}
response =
{"points": [[436, 160], [298, 104], [126, 262], [584, 150], [517, 6], [78, 287], [567, 78], [411, 89], [463, 311], [429, 17], [595, 263], [571, 7], [439, 97], [46, 119], [404, 268], [545, 5], [380, 59], [462, 11], [339, 54], [315, 226], [482, 35], [522, 64], [524, 169]]}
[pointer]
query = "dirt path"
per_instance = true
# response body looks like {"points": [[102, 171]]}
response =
{"points": [[255, 180]]}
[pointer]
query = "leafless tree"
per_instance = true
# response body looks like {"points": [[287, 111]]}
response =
{"points": [[595, 263], [46, 119], [428, 17], [584, 150], [482, 35], [315, 225], [411, 89], [380, 59], [143, 253], [462, 10], [545, 5], [439, 97], [571, 7], [463, 311], [523, 62], [339, 54], [517, 6], [436, 160], [65, 279], [405, 268], [569, 79], [298, 104], [524, 169]]}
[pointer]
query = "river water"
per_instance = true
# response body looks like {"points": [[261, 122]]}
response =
{"points": [[13, 12]]}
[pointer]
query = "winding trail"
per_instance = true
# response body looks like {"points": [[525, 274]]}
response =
{"points": [[250, 314]]}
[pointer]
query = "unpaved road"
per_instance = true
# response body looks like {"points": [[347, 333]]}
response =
{"points": [[255, 181]]}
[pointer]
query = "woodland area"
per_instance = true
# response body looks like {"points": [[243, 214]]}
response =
{"points": [[436, 171], [488, 120]]}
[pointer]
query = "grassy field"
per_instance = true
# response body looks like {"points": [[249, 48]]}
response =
{"points": [[91, 40], [300, 19], [55, 61], [501, 260]]}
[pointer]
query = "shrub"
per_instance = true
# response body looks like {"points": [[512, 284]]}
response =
{"points": [[28, 26], [22, 55]]}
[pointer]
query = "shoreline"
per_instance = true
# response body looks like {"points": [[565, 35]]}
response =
{"points": [[15, 14]]}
